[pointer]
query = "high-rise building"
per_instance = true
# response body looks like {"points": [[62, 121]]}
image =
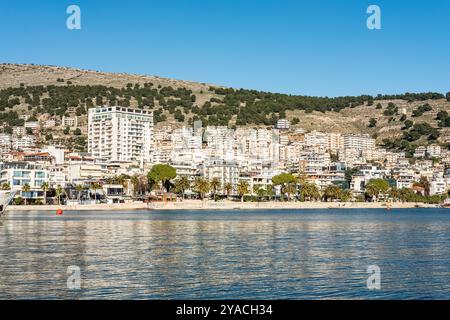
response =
{"points": [[120, 134]]}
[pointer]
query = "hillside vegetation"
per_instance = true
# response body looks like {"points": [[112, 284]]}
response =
{"points": [[398, 121]]}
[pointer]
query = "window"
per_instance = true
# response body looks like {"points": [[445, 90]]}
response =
{"points": [[40, 174]]}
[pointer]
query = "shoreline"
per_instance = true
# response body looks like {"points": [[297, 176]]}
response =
{"points": [[222, 205]]}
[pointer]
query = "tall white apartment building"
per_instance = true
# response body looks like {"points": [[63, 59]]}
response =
{"points": [[358, 142], [335, 142], [315, 138], [120, 134], [221, 142]]}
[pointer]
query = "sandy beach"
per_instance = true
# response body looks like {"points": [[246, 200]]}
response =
{"points": [[221, 205]]}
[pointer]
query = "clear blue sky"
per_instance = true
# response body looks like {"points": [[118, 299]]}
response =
{"points": [[301, 47]]}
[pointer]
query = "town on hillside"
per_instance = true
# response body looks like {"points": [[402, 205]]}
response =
{"points": [[128, 159]]}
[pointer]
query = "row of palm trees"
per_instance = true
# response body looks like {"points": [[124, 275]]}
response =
{"points": [[305, 191]]}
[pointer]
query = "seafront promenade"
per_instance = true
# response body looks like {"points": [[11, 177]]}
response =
{"points": [[222, 205]]}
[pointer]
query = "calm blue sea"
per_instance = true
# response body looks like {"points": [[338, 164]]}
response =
{"points": [[276, 254]]}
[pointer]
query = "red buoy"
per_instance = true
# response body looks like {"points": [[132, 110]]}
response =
{"points": [[59, 212]]}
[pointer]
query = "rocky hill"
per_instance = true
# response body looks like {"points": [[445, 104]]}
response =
{"points": [[49, 91]]}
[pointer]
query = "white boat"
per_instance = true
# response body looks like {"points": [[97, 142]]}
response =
{"points": [[5, 199], [446, 203]]}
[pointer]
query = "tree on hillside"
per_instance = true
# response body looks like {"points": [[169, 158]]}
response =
{"points": [[161, 174], [372, 123], [408, 124], [448, 96]]}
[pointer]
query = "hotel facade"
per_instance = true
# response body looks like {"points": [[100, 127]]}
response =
{"points": [[120, 134]]}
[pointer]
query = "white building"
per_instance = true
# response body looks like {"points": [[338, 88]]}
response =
{"points": [[283, 124], [434, 151], [225, 171], [69, 122], [18, 174], [5, 142], [358, 142], [120, 134], [23, 142]]}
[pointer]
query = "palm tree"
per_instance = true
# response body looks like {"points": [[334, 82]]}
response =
{"points": [[290, 188], [25, 189], [59, 191], [215, 185], [228, 188], [346, 195], [96, 186], [202, 186], [332, 192], [181, 185], [394, 194], [270, 192], [45, 187], [6, 186], [310, 191], [79, 188], [261, 193], [242, 189], [135, 183]]}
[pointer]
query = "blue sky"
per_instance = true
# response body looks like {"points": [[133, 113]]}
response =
{"points": [[301, 47]]}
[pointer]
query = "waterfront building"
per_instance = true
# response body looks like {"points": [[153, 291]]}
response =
{"points": [[120, 134], [18, 174], [225, 171], [85, 172]]}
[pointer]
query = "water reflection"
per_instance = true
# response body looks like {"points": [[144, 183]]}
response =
{"points": [[199, 255]]}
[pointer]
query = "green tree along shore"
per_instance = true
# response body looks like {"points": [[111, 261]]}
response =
{"points": [[284, 187]]}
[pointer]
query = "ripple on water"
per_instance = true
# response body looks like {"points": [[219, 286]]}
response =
{"points": [[279, 254]]}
